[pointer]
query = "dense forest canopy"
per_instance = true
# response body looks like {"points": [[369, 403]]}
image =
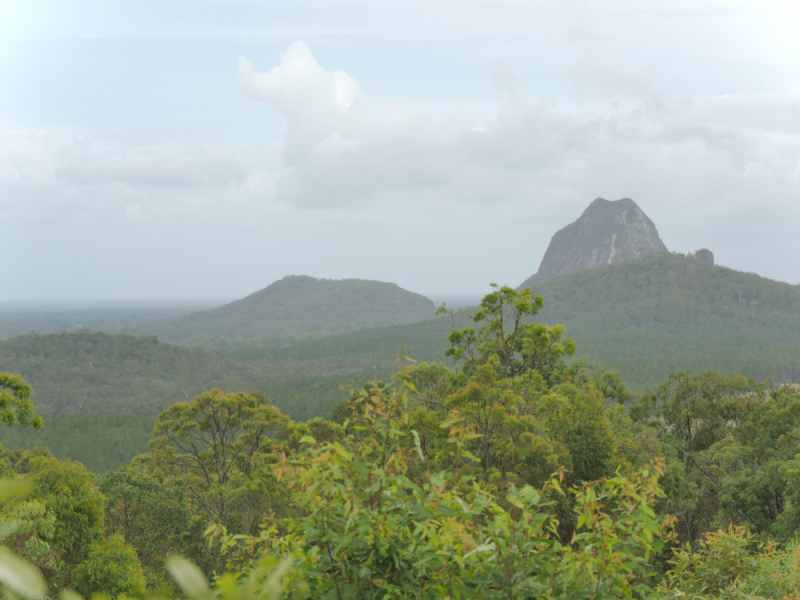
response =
{"points": [[513, 471]]}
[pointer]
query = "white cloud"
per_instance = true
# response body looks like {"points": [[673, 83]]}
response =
{"points": [[598, 70], [210, 166], [505, 79], [707, 151], [46, 176]]}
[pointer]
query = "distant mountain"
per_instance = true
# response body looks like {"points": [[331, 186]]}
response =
{"points": [[608, 232], [298, 307], [665, 313]]}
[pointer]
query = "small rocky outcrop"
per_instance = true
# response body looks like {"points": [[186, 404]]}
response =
{"points": [[705, 256], [608, 232]]}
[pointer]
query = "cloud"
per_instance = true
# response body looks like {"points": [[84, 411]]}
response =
{"points": [[56, 176], [505, 79], [210, 167], [700, 152], [597, 70], [318, 103]]}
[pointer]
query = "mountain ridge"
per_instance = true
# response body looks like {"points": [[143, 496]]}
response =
{"points": [[299, 306]]}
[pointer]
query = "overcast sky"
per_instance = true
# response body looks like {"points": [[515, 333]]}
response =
{"points": [[206, 148]]}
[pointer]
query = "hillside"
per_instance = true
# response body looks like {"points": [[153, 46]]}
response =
{"points": [[82, 372], [665, 313], [114, 385], [298, 307], [608, 232]]}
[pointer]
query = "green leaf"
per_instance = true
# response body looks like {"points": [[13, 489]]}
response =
{"points": [[20, 575], [272, 587], [14, 488], [69, 595], [188, 576]]}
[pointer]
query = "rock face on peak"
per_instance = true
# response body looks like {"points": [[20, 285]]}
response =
{"points": [[608, 232]]}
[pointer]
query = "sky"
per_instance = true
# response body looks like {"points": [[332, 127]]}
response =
{"points": [[164, 149]]}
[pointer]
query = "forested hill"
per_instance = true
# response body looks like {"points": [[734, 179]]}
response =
{"points": [[114, 385], [298, 307], [665, 313], [82, 372]]}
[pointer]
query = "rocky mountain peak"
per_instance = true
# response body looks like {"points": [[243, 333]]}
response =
{"points": [[608, 232]]}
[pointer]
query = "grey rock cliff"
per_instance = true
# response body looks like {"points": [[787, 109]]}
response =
{"points": [[608, 232]]}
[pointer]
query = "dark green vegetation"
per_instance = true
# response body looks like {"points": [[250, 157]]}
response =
{"points": [[517, 473], [98, 372], [666, 313], [299, 307], [100, 441], [85, 383]]}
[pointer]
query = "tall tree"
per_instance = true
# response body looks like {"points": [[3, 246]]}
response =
{"points": [[213, 445], [16, 406]]}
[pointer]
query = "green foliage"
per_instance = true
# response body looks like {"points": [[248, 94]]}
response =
{"points": [[67, 490], [111, 567], [776, 574], [370, 531], [732, 448], [213, 446], [527, 410], [715, 568], [507, 336], [29, 527], [151, 515], [19, 576], [15, 404], [518, 473], [80, 377], [114, 440], [97, 372], [59, 528]]}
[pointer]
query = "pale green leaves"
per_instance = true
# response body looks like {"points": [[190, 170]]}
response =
{"points": [[189, 577], [264, 582], [16, 573], [14, 488], [21, 576]]}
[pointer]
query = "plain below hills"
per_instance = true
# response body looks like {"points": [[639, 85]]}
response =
{"points": [[299, 307], [110, 317]]}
